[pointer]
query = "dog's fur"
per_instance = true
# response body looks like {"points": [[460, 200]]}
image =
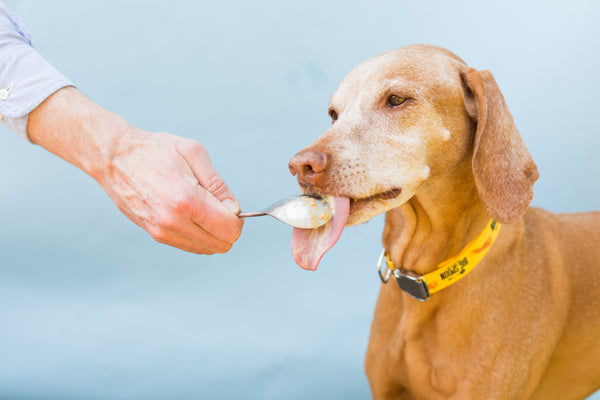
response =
{"points": [[525, 323]]}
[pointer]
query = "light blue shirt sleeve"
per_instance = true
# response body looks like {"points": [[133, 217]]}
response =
{"points": [[26, 79]]}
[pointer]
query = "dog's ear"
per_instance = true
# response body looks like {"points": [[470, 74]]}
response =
{"points": [[503, 169]]}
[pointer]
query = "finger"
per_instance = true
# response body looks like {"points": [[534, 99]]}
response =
{"points": [[179, 220], [208, 213], [202, 243], [215, 207], [199, 161]]}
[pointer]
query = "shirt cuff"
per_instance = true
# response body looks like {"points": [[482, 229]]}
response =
{"points": [[26, 80]]}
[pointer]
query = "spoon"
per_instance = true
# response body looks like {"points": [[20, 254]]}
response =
{"points": [[305, 212]]}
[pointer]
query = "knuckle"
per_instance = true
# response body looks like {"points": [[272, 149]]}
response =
{"points": [[183, 203], [209, 243], [201, 250], [167, 220], [202, 246], [224, 248], [158, 234], [178, 205], [216, 185], [194, 148]]}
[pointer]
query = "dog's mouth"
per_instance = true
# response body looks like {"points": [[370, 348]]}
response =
{"points": [[309, 245], [357, 203], [388, 195]]}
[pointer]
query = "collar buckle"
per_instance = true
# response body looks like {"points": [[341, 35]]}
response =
{"points": [[413, 284]]}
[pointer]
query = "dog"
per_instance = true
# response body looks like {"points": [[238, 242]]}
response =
{"points": [[426, 139]]}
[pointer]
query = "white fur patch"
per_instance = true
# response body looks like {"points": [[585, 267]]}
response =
{"points": [[424, 173], [445, 134]]}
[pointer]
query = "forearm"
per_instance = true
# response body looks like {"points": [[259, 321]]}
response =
{"points": [[79, 131]]}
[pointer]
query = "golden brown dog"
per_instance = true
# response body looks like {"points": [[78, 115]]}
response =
{"points": [[418, 134]]}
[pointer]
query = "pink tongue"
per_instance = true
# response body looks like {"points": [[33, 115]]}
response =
{"points": [[309, 245]]}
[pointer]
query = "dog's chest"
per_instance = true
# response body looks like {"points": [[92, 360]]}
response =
{"points": [[428, 370], [414, 355]]}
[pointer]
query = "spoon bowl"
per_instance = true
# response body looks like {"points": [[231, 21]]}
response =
{"points": [[305, 212]]}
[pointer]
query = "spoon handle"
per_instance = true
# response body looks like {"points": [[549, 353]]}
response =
{"points": [[251, 214]]}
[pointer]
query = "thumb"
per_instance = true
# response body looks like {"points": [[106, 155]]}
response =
{"points": [[215, 185], [198, 159]]}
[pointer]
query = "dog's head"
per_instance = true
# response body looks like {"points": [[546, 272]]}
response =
{"points": [[408, 117]]}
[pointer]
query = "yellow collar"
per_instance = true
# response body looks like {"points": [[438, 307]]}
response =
{"points": [[421, 287]]}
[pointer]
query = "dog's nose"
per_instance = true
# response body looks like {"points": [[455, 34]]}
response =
{"points": [[309, 165]]}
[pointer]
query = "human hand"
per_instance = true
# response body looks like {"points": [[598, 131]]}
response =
{"points": [[163, 183], [168, 186]]}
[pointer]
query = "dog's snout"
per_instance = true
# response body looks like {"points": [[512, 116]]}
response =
{"points": [[309, 165]]}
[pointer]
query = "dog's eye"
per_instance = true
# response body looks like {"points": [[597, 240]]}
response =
{"points": [[394, 100], [333, 114]]}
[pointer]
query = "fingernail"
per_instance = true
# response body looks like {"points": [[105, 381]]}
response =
{"points": [[231, 206]]}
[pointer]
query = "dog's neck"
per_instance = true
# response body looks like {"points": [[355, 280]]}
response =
{"points": [[436, 224]]}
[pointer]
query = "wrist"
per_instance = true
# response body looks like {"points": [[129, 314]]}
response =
{"points": [[111, 136], [76, 129]]}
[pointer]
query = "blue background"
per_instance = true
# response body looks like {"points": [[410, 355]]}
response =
{"points": [[92, 308]]}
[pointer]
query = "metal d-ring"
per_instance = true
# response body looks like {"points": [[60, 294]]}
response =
{"points": [[384, 271]]}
